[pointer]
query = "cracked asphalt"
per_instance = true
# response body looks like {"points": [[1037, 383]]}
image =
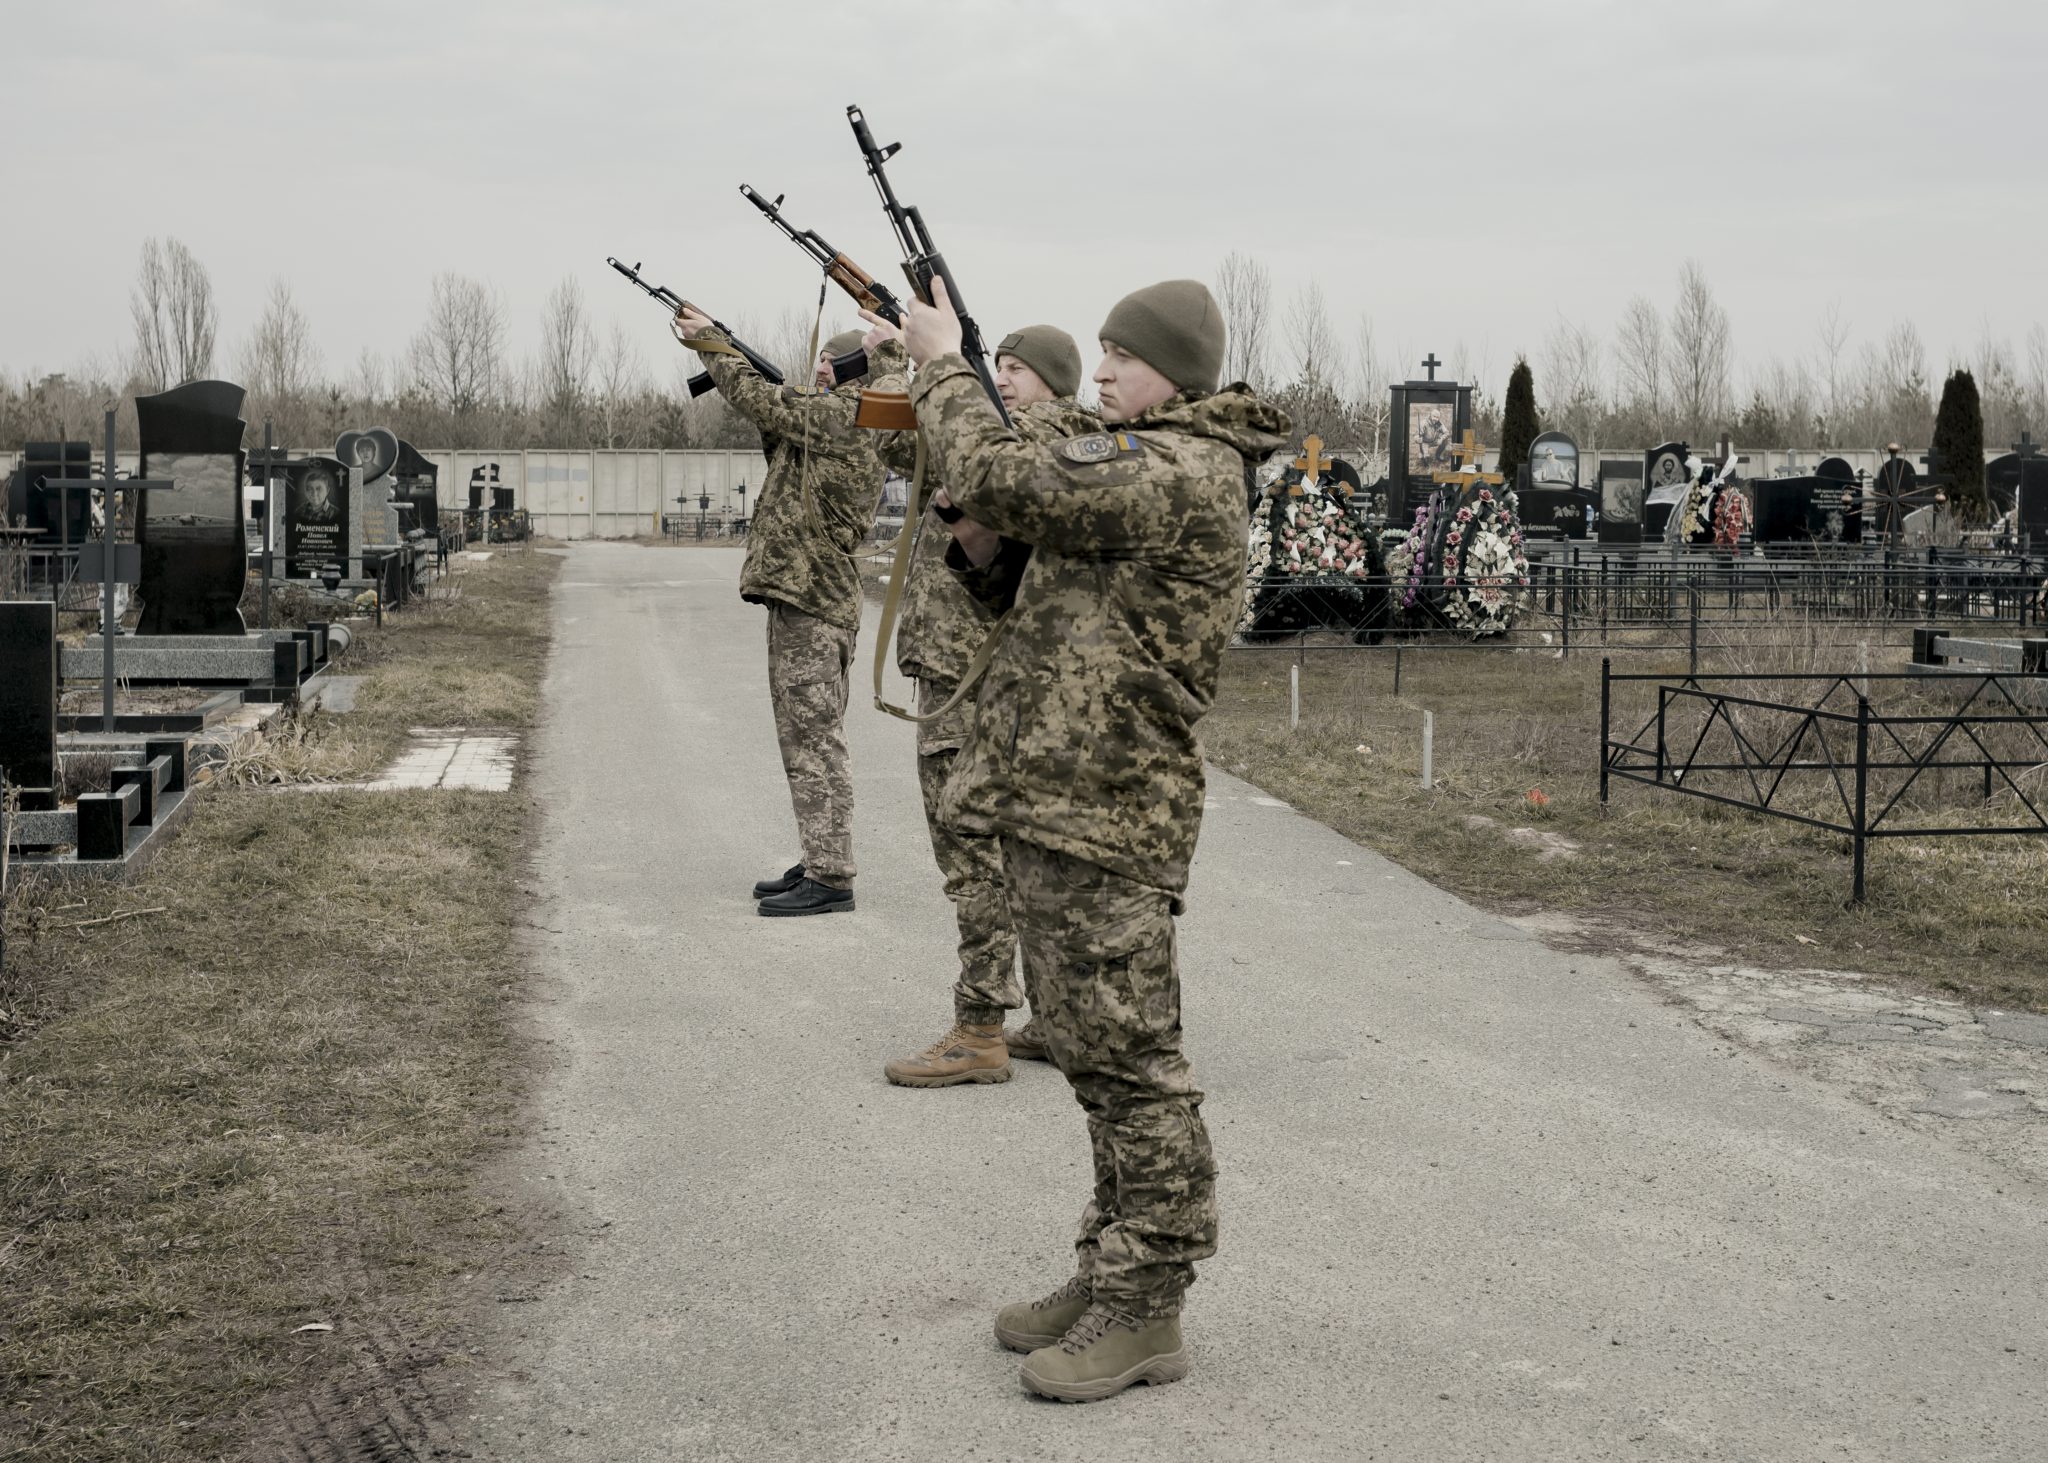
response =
{"points": [[1482, 1198]]}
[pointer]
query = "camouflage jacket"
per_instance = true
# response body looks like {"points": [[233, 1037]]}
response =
{"points": [[941, 625], [1084, 737], [803, 535]]}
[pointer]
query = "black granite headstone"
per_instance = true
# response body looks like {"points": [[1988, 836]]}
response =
{"points": [[1783, 507], [2030, 500], [28, 693], [416, 480], [64, 518], [2002, 483], [194, 554], [315, 516], [1621, 503]]}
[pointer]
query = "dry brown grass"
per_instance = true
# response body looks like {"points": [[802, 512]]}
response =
{"points": [[1962, 915], [267, 1105]]}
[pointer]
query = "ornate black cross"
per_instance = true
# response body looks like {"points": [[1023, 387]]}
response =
{"points": [[111, 567], [1431, 364]]}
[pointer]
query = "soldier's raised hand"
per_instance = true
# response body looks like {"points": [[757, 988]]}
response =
{"points": [[691, 322], [882, 330], [931, 331]]}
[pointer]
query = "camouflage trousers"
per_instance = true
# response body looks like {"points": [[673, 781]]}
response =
{"points": [[973, 868], [1099, 962], [808, 664]]}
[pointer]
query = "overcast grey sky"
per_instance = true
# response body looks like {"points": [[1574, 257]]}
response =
{"points": [[1464, 172]]}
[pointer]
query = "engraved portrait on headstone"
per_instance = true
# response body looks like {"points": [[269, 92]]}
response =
{"points": [[316, 516]]}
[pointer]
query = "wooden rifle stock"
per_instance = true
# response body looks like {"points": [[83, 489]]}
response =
{"points": [[886, 411]]}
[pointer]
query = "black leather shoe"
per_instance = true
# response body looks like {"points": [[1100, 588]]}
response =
{"points": [[781, 885], [808, 897]]}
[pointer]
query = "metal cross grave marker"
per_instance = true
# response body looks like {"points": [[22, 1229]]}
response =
{"points": [[110, 561], [1431, 364]]}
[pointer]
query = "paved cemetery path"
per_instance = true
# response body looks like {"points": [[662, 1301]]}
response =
{"points": [[1480, 1200]]}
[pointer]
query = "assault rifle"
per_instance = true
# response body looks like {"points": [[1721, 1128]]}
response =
{"points": [[921, 262], [844, 368], [867, 292], [669, 300]]}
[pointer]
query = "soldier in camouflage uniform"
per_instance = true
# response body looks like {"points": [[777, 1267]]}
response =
{"points": [[816, 506], [1085, 763], [1038, 370]]}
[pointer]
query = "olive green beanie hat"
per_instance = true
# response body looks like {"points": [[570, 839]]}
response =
{"points": [[1175, 328], [1049, 351]]}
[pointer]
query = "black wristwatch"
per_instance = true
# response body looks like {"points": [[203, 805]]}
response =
{"points": [[949, 512]]}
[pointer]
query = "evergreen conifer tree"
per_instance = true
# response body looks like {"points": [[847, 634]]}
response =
{"points": [[1959, 447], [1518, 424]]}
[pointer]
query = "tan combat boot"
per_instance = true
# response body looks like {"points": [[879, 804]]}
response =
{"points": [[1101, 1355], [964, 1054], [1030, 1324]]}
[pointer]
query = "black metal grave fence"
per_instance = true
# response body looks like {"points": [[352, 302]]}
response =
{"points": [[1833, 761]]}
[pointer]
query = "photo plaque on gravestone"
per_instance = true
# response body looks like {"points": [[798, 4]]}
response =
{"points": [[194, 553], [1666, 479], [1554, 500], [1429, 419], [315, 516], [1621, 502], [372, 453]]}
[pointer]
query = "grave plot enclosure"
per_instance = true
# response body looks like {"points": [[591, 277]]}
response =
{"points": [[1894, 755]]}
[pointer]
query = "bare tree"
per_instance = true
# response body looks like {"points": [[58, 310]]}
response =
{"points": [[1904, 366], [622, 387], [458, 357], [2037, 375], [1831, 341], [568, 346], [1571, 373], [1639, 355], [1244, 293], [370, 382], [2001, 389], [281, 365], [1375, 375], [1312, 339], [174, 314], [1699, 352]]}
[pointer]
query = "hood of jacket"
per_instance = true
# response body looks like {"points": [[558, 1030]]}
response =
{"points": [[1236, 415]]}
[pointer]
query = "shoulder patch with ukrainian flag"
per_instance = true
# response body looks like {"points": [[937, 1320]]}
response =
{"points": [[1094, 447]]}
